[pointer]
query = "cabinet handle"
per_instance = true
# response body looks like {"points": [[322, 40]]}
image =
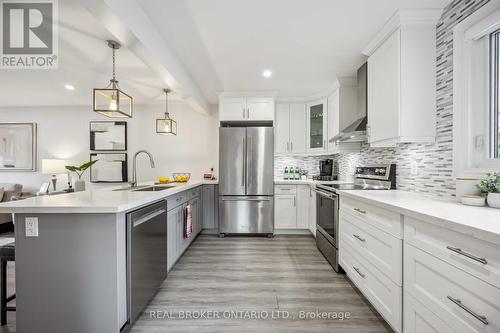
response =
{"points": [[360, 210], [359, 272], [359, 238], [468, 255], [294, 203], [469, 311], [248, 113], [288, 146], [291, 146], [243, 113]]}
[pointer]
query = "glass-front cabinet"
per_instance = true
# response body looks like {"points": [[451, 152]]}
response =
{"points": [[317, 126]]}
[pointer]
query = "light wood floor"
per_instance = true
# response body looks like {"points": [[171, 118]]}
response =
{"points": [[285, 273]]}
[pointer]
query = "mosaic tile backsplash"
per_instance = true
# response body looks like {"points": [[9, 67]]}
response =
{"points": [[434, 161]]}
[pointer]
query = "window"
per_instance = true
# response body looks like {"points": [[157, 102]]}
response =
{"points": [[495, 94], [476, 92]]}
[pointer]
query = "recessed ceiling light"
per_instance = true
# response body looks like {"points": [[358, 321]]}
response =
{"points": [[69, 87], [267, 73]]}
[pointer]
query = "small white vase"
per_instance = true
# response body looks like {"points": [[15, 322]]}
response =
{"points": [[493, 200], [79, 185]]}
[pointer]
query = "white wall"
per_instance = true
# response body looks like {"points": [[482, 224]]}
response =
{"points": [[63, 132]]}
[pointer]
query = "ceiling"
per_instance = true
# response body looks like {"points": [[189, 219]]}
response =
{"points": [[226, 44], [84, 62]]}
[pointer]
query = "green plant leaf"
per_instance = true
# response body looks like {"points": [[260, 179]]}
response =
{"points": [[87, 165], [490, 183]]}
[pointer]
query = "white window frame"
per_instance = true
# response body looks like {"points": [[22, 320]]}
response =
{"points": [[471, 92]]}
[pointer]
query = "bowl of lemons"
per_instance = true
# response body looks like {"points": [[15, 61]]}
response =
{"points": [[181, 177]]}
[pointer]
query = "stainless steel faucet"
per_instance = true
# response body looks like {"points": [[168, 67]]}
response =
{"points": [[133, 183]]}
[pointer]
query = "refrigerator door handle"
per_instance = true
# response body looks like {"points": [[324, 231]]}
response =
{"points": [[243, 176], [246, 199], [248, 159]]}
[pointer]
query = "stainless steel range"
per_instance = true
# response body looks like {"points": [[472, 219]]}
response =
{"points": [[376, 177]]}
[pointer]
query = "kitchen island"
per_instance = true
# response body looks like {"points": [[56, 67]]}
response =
{"points": [[71, 266]]}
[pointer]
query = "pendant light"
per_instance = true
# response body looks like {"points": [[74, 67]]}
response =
{"points": [[111, 101], [166, 125]]}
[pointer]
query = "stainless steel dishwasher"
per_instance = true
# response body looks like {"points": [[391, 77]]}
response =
{"points": [[146, 255]]}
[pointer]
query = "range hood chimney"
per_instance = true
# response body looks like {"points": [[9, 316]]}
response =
{"points": [[356, 132]]}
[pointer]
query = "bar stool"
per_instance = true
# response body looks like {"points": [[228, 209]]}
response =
{"points": [[7, 253]]}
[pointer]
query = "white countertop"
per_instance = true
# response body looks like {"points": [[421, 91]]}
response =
{"points": [[480, 222], [95, 201], [106, 200]]}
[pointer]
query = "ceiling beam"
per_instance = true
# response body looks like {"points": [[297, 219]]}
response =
{"points": [[131, 26]]}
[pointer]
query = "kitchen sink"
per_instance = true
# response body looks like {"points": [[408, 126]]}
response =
{"points": [[154, 188], [128, 188]]}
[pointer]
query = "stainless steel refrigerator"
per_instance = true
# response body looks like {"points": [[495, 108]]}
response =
{"points": [[246, 184]]}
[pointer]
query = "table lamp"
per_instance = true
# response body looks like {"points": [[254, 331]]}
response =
{"points": [[53, 167]]}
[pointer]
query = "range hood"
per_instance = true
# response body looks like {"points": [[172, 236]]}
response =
{"points": [[356, 131]]}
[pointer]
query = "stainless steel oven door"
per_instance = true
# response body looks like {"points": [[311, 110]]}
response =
{"points": [[327, 215]]}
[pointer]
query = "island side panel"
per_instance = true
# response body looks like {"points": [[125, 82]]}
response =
{"points": [[121, 251], [67, 278]]}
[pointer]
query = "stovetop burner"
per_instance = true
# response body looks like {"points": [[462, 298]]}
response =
{"points": [[376, 177], [354, 187]]}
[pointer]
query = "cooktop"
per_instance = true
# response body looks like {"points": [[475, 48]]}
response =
{"points": [[354, 187]]}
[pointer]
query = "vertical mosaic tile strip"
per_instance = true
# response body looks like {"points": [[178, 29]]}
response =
{"points": [[434, 161]]}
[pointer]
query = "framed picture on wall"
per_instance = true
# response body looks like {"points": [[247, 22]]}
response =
{"points": [[110, 168], [18, 146], [108, 135]]}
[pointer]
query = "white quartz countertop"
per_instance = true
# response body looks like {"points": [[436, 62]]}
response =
{"points": [[95, 201], [480, 222]]}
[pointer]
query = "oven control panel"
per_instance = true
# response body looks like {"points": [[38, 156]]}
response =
{"points": [[377, 172]]}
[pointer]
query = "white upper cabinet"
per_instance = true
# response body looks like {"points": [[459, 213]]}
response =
{"points": [[342, 111], [384, 92], [246, 109], [260, 108], [282, 129], [317, 126], [402, 80], [297, 128], [232, 108], [290, 128]]}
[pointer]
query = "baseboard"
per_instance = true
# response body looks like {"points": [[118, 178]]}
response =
{"points": [[210, 231], [292, 232]]}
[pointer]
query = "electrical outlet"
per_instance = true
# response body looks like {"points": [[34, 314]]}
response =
{"points": [[31, 226]]}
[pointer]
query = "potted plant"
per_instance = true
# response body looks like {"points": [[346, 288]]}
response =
{"points": [[491, 185], [80, 170]]}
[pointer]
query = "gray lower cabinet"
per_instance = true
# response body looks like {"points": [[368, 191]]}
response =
{"points": [[210, 208], [172, 239], [177, 244]]}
